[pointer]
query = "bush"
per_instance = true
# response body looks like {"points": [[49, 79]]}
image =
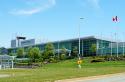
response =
{"points": [[70, 57], [21, 64], [52, 60], [57, 58], [97, 60], [62, 56], [108, 58], [41, 59], [114, 58], [37, 60], [35, 65]]}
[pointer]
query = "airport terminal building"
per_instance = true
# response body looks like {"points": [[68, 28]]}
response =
{"points": [[103, 47]]}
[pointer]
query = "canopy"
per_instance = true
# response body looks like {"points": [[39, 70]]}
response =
{"points": [[6, 57], [6, 61]]}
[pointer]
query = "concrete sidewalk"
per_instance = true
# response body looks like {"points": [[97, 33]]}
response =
{"points": [[119, 77]]}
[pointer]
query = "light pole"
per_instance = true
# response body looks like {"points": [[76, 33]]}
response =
{"points": [[79, 38]]}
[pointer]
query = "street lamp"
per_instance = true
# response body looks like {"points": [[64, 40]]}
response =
{"points": [[79, 38]]}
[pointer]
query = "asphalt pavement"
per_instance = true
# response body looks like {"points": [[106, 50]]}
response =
{"points": [[113, 78], [119, 77], [4, 75]]}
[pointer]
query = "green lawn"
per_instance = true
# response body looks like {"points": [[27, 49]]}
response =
{"points": [[63, 70]]}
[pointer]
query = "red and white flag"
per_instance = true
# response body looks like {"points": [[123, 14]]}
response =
{"points": [[115, 19]]}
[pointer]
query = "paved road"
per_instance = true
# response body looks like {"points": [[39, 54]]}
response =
{"points": [[4, 75], [120, 77], [113, 78]]}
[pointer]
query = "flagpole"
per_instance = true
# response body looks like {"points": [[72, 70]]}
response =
{"points": [[115, 20]]}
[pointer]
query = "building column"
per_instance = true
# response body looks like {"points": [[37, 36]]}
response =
{"points": [[82, 47], [97, 48], [12, 64]]}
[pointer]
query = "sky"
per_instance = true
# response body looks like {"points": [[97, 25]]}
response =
{"points": [[53, 20]]}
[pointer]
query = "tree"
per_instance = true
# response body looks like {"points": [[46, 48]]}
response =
{"points": [[34, 53], [3, 50], [63, 50], [63, 53], [28, 52], [12, 54], [20, 52], [93, 49], [75, 51], [49, 51]]}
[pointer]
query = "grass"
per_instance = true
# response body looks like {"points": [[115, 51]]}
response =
{"points": [[63, 70]]}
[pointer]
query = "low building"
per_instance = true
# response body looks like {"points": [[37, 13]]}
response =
{"points": [[29, 42], [85, 45], [103, 46], [22, 43], [14, 43]]}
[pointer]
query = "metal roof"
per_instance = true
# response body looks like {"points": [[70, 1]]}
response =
{"points": [[83, 38]]}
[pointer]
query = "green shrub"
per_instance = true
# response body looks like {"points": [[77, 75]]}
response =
{"points": [[21, 64], [41, 59], [114, 58], [70, 57], [97, 60], [62, 56], [52, 60], [57, 58], [35, 65]]}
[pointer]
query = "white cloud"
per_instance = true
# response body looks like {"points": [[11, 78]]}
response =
{"points": [[94, 3], [31, 11]]}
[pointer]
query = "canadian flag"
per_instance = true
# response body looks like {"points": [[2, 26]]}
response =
{"points": [[115, 19]]}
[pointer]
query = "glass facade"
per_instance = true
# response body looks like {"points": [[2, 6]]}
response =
{"points": [[103, 47], [110, 48]]}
